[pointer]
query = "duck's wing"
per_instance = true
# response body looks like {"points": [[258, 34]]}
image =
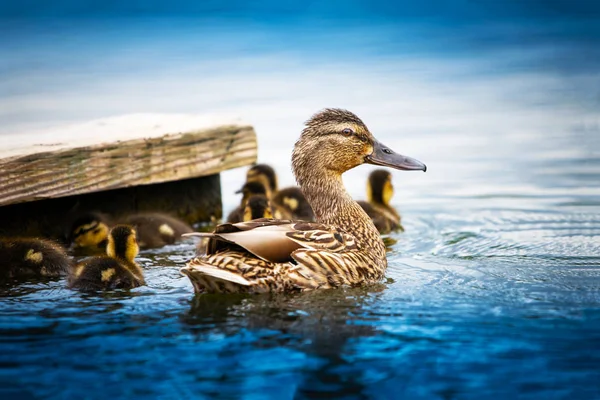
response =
{"points": [[276, 241], [275, 255]]}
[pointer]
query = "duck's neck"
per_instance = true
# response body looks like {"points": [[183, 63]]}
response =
{"points": [[332, 205]]}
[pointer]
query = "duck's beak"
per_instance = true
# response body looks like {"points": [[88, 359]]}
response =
{"points": [[383, 155]]}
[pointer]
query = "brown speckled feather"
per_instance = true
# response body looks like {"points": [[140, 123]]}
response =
{"points": [[278, 255]]}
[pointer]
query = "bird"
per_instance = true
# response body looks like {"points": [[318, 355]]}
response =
{"points": [[116, 270], [32, 257], [257, 206], [342, 248], [89, 230], [379, 193], [290, 198], [249, 190]]}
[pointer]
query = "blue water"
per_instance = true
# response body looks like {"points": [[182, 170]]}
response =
{"points": [[493, 291]]}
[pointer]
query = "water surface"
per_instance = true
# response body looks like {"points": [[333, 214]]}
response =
{"points": [[494, 289]]}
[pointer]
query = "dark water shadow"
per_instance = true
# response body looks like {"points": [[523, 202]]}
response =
{"points": [[319, 324]]}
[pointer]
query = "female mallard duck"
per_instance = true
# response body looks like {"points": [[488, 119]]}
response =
{"points": [[22, 257], [116, 270], [256, 188], [291, 198], [379, 193], [90, 230], [343, 248]]}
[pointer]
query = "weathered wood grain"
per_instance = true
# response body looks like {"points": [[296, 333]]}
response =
{"points": [[122, 164]]}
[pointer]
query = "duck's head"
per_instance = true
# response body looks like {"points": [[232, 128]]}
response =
{"points": [[122, 243], [336, 140], [89, 231], [379, 187], [264, 173], [257, 206], [254, 188]]}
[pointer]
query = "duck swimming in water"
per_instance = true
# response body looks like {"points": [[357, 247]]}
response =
{"points": [[379, 193], [89, 231], [290, 198], [342, 248], [116, 270], [28, 257]]}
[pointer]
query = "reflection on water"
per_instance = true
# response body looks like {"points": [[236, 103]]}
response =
{"points": [[493, 290]]}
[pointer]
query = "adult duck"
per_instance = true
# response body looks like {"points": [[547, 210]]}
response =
{"points": [[342, 248]]}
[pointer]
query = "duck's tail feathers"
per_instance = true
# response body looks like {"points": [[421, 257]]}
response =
{"points": [[208, 278]]}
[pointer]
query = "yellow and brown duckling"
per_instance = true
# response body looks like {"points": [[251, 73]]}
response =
{"points": [[116, 270], [379, 194], [342, 248], [290, 198], [32, 257], [263, 173], [257, 206], [256, 189], [89, 231]]}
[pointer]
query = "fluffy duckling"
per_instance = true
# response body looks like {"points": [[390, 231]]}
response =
{"points": [[294, 201], [249, 190], [89, 231], [32, 257], [257, 206], [157, 229], [116, 270], [379, 193], [263, 173], [291, 198]]}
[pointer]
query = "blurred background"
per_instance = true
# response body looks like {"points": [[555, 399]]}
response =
{"points": [[494, 287], [450, 83]]}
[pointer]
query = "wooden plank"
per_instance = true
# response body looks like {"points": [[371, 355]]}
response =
{"points": [[145, 158]]}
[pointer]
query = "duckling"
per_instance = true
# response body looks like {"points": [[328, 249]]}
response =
{"points": [[255, 188], [257, 206], [157, 229], [116, 270], [294, 201], [89, 231], [379, 193], [343, 248], [263, 173], [291, 198], [382, 223], [32, 257]]}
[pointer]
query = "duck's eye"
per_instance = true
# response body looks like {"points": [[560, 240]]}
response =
{"points": [[347, 132]]}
